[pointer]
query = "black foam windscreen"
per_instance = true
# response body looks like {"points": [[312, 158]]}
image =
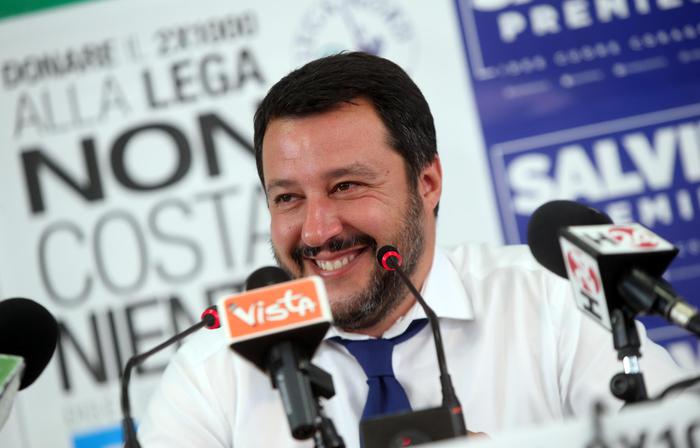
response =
{"points": [[545, 224], [266, 276], [29, 330]]}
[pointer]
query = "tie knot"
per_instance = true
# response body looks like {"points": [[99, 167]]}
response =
{"points": [[373, 355], [385, 394]]}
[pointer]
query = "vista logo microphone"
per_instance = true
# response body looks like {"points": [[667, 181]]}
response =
{"points": [[292, 305], [299, 306], [278, 324]]}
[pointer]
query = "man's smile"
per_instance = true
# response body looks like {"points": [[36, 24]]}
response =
{"points": [[336, 263]]}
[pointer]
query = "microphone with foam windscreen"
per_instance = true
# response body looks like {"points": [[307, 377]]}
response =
{"points": [[615, 274], [546, 223], [28, 336], [30, 331], [277, 325], [610, 266], [266, 276]]}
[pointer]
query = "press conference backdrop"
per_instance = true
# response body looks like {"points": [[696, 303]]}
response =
{"points": [[129, 196]]}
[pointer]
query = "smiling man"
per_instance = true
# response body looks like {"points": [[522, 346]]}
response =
{"points": [[336, 189], [347, 155]]}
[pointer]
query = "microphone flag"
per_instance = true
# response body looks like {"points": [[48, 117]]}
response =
{"points": [[296, 310], [598, 256], [11, 368]]}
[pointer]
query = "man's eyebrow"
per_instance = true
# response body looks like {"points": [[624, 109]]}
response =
{"points": [[354, 169], [280, 183]]}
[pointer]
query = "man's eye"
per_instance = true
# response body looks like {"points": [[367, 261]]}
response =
{"points": [[282, 198], [343, 186]]}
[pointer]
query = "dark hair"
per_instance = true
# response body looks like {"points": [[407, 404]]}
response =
{"points": [[325, 83]]}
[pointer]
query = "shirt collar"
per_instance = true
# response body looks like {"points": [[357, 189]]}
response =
{"points": [[443, 291]]}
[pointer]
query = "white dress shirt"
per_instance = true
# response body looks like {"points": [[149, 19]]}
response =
{"points": [[518, 351]]}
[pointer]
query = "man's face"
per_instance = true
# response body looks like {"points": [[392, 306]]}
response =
{"points": [[336, 191]]}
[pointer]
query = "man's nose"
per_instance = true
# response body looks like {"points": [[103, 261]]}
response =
{"points": [[321, 222]]}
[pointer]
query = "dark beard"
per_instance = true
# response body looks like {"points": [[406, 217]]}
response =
{"points": [[385, 290]]}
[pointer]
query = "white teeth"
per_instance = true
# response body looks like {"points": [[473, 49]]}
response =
{"points": [[333, 265]]}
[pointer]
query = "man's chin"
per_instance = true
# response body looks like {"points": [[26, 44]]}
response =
{"points": [[353, 319], [360, 311]]}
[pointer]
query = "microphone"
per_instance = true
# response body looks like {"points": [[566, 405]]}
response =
{"points": [[277, 325], [404, 429], [545, 224], [390, 259], [266, 276], [30, 331], [28, 336], [209, 319], [610, 266], [614, 272]]}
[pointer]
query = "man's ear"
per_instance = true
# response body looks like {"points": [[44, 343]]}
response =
{"points": [[430, 184]]}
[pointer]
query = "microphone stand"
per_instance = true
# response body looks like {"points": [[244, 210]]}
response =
{"points": [[286, 361], [426, 425], [449, 397], [209, 319], [301, 385], [627, 385], [325, 436]]}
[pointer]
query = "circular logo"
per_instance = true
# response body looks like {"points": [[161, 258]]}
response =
{"points": [[377, 27], [582, 274], [635, 237]]}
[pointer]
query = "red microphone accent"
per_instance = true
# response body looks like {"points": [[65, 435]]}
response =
{"points": [[207, 316], [391, 254]]}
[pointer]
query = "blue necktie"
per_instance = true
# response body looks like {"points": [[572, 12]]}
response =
{"points": [[385, 395]]}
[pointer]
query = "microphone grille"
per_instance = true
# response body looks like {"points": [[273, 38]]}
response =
{"points": [[266, 276]]}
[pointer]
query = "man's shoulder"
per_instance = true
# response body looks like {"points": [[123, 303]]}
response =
{"points": [[203, 346], [481, 260], [506, 275]]}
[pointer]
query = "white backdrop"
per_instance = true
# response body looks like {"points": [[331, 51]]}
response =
{"points": [[129, 194]]}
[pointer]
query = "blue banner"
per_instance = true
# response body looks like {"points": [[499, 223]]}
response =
{"points": [[596, 101]]}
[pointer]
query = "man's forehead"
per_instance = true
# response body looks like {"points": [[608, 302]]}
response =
{"points": [[350, 139], [356, 169]]}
